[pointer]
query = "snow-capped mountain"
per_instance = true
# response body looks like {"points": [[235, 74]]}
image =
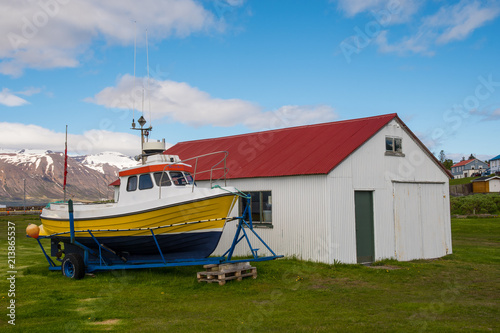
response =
{"points": [[39, 174], [107, 162]]}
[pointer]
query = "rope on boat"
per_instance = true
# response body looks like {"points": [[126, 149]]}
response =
{"points": [[238, 192], [56, 202], [151, 228]]}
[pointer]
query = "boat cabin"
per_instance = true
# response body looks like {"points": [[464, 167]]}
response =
{"points": [[151, 180]]}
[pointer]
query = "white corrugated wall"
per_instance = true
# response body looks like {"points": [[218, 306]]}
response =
{"points": [[299, 214]]}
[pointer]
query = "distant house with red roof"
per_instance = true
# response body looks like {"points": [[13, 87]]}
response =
{"points": [[352, 191], [468, 168]]}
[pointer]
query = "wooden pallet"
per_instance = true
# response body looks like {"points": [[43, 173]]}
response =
{"points": [[226, 272]]}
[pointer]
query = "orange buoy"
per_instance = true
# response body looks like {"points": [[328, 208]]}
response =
{"points": [[32, 230]]}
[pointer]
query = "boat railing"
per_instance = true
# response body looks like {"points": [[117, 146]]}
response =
{"points": [[220, 165]]}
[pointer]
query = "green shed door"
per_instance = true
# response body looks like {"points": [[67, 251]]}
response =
{"points": [[365, 244]]}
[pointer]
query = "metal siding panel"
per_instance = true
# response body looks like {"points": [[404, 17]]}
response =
{"points": [[407, 221], [421, 221], [299, 218], [432, 220], [447, 220], [384, 224], [343, 230]]}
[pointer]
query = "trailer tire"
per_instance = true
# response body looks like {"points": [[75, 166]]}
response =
{"points": [[73, 266]]}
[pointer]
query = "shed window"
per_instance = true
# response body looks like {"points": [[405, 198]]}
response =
{"points": [[261, 206], [163, 178], [145, 182], [132, 183], [393, 146]]}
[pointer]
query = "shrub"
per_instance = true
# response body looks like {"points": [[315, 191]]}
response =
{"points": [[475, 204]]}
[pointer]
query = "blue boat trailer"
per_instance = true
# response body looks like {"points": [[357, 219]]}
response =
{"points": [[80, 259]]}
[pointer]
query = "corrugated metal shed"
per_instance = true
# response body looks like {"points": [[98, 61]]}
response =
{"points": [[313, 173], [484, 184]]}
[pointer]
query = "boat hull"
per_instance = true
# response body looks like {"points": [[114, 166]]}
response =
{"points": [[183, 230], [191, 245]]}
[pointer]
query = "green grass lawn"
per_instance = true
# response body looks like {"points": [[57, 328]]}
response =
{"points": [[466, 180], [459, 292], [461, 181]]}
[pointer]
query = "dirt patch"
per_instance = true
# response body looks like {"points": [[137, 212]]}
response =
{"points": [[88, 299], [107, 322], [328, 283], [319, 286], [388, 267]]}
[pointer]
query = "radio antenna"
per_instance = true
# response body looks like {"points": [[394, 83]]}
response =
{"points": [[135, 55], [147, 85]]}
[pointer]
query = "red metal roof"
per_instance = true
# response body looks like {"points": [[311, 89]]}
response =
{"points": [[463, 162], [311, 149]]}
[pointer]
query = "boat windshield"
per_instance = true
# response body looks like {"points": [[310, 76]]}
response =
{"points": [[189, 178], [163, 178], [178, 178]]}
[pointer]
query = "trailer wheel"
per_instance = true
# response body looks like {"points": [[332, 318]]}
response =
{"points": [[73, 266]]}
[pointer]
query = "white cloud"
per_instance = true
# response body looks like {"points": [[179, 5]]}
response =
{"points": [[54, 33], [487, 113], [419, 43], [460, 20], [397, 11], [457, 157], [180, 102], [449, 23], [30, 91], [22, 136], [9, 99], [291, 115]]}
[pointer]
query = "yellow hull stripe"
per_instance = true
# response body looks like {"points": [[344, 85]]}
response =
{"points": [[214, 208]]}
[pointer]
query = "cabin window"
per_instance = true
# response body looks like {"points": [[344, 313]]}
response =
{"points": [[145, 182], [132, 183], [189, 178], [178, 178], [261, 206], [393, 146], [163, 178]]}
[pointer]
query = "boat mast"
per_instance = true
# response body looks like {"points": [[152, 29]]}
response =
{"points": [[144, 133], [65, 162]]}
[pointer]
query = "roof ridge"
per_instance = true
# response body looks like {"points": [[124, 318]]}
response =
{"points": [[388, 115], [464, 162]]}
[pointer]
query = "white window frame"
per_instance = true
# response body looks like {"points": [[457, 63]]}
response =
{"points": [[394, 152]]}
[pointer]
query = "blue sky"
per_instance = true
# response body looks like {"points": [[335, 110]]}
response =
{"points": [[227, 67]]}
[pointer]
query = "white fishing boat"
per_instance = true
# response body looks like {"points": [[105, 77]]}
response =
{"points": [[160, 195]]}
